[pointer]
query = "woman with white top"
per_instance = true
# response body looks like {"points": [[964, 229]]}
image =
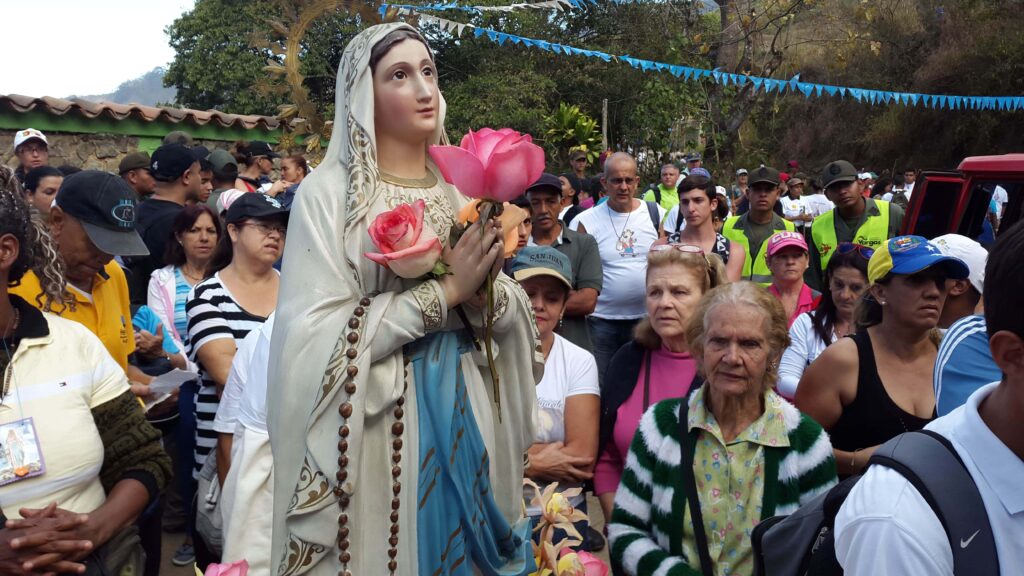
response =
{"points": [[846, 280], [568, 396]]}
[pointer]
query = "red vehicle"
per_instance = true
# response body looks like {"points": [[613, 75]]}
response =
{"points": [[958, 201]]}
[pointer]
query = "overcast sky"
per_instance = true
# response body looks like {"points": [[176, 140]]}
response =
{"points": [[64, 47]]}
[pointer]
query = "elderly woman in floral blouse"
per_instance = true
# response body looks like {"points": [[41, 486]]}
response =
{"points": [[750, 453]]}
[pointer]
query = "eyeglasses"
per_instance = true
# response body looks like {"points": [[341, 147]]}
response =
{"points": [[266, 229], [847, 247], [621, 181], [686, 249], [33, 149]]}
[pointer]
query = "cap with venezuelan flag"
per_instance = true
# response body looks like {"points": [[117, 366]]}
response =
{"points": [[906, 255]]}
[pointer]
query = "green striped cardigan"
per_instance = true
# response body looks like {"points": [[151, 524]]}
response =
{"points": [[646, 529]]}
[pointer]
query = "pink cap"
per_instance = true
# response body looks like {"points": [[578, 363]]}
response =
{"points": [[227, 198], [781, 240]]}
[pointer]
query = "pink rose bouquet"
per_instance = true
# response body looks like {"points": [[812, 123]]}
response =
{"points": [[407, 247], [240, 568], [493, 166]]}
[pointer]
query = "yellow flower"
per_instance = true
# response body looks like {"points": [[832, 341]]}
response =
{"points": [[570, 565]]}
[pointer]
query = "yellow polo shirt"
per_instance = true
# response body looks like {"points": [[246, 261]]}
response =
{"points": [[106, 312]]}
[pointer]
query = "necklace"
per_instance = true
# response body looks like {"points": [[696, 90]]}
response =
{"points": [[618, 235], [190, 276], [15, 320], [9, 368]]}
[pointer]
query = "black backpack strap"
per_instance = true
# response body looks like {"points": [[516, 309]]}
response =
{"points": [[657, 194], [930, 463], [652, 209], [686, 445]]}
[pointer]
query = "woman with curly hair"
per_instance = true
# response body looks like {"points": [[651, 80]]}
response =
{"points": [[90, 462]]}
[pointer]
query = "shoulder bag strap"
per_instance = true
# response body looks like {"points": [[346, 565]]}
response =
{"points": [[652, 209], [930, 463], [690, 485]]}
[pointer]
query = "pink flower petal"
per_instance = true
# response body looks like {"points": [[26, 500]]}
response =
{"points": [[510, 172], [486, 143], [460, 168], [416, 261]]}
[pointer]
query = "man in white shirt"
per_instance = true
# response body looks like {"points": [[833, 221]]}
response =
{"points": [[909, 176], [886, 527], [624, 228]]}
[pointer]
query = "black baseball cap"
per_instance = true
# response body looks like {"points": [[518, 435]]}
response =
{"points": [[105, 205], [838, 171], [764, 174], [170, 161], [260, 148], [546, 183], [255, 205]]}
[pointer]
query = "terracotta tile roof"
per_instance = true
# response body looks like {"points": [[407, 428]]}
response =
{"points": [[87, 109]]}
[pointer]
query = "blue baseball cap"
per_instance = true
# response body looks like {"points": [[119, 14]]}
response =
{"points": [[907, 255], [533, 261]]}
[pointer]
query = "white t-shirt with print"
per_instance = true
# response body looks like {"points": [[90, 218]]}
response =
{"points": [[795, 207], [568, 371], [623, 240]]}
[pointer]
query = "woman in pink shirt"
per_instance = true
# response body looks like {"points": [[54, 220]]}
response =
{"points": [[656, 364], [788, 260]]}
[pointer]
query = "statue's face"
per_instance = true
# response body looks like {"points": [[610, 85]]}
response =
{"points": [[405, 95]]}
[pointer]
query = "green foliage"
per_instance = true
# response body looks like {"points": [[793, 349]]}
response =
{"points": [[214, 65], [568, 129], [508, 99]]}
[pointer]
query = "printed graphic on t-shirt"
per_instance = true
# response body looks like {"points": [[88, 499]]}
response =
{"points": [[624, 245]]}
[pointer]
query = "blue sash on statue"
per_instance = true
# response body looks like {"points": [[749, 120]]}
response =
{"points": [[458, 523]]}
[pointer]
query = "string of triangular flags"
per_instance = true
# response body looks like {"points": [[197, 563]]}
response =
{"points": [[450, 7], [808, 89]]}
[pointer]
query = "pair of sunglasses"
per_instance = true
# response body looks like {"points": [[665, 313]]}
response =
{"points": [[847, 247], [686, 249]]}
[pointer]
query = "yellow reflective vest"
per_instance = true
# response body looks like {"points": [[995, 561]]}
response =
{"points": [[755, 267], [872, 233]]}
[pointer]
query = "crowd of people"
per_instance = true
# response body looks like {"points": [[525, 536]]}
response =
{"points": [[711, 356]]}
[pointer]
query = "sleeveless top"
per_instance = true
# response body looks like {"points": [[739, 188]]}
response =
{"points": [[721, 246], [873, 417]]}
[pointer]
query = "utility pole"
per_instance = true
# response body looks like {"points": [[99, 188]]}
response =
{"points": [[604, 124]]}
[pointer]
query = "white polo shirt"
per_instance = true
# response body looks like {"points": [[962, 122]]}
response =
{"points": [[886, 528]]}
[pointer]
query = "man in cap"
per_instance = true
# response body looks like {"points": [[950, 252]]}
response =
{"points": [[865, 221], [964, 363], [738, 190], [176, 171], [31, 150], [225, 171], [578, 162], [179, 137], [794, 204], [134, 169], [752, 229], [581, 250], [693, 160], [93, 220]]}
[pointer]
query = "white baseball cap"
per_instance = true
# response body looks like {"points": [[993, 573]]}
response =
{"points": [[22, 136], [972, 254]]}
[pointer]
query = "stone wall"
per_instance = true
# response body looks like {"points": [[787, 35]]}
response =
{"points": [[87, 151]]}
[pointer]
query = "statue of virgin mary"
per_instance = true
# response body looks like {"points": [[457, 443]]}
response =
{"points": [[390, 456]]}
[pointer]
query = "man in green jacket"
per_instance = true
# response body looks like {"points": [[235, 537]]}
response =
{"points": [[665, 194], [865, 221], [752, 229]]}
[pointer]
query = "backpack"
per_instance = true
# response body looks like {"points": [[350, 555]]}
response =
{"points": [[803, 543], [899, 198]]}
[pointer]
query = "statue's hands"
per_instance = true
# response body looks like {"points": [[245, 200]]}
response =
{"points": [[470, 260]]}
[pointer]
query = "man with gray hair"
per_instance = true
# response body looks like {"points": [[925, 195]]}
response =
{"points": [[624, 228]]}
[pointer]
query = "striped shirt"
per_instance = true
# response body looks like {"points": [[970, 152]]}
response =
{"points": [[213, 314], [964, 364]]}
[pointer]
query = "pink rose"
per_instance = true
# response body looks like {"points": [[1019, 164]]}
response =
{"points": [[407, 247], [592, 565], [240, 568], [491, 164]]}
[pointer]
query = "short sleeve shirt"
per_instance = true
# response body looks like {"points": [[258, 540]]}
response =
{"points": [[57, 381], [106, 312]]}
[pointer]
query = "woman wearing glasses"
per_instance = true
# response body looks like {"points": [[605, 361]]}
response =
{"points": [[657, 363], [224, 308], [846, 280], [877, 384]]}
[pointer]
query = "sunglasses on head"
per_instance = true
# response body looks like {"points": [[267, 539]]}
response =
{"points": [[847, 247], [686, 249]]}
